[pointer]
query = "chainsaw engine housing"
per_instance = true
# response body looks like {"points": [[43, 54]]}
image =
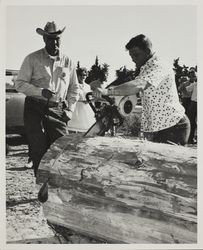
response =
{"points": [[126, 104]]}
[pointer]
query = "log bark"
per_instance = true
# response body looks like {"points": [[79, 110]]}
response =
{"points": [[122, 190]]}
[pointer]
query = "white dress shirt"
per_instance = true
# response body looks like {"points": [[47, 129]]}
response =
{"points": [[39, 70]]}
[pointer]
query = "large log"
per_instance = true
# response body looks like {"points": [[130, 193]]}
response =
{"points": [[122, 190]]}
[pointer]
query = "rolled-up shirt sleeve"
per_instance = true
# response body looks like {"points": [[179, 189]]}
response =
{"points": [[73, 90], [22, 83], [153, 75]]}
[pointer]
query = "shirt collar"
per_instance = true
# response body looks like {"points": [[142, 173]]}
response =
{"points": [[149, 62]]}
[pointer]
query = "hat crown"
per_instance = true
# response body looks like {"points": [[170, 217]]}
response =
{"points": [[50, 27]]}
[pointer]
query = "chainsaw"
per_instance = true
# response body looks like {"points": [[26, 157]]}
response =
{"points": [[110, 113]]}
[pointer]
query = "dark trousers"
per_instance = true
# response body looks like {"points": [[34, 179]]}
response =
{"points": [[186, 104], [43, 126], [192, 114], [178, 134]]}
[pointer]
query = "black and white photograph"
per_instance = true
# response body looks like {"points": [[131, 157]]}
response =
{"points": [[101, 125]]}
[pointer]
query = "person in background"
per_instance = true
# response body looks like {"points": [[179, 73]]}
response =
{"points": [[192, 74], [48, 79], [185, 95], [83, 116], [192, 110], [163, 116], [99, 82]]}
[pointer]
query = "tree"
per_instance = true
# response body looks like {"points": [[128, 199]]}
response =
{"points": [[97, 71], [78, 65], [123, 75]]}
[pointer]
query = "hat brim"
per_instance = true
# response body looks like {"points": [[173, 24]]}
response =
{"points": [[45, 33]]}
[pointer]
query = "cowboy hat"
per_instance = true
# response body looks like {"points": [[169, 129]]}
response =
{"points": [[50, 29]]}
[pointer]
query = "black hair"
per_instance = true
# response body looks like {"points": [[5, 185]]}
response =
{"points": [[140, 41], [80, 71]]}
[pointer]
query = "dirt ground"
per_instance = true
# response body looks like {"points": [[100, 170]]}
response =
{"points": [[25, 222]]}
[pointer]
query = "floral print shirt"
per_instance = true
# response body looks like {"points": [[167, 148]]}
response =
{"points": [[40, 70], [161, 106]]}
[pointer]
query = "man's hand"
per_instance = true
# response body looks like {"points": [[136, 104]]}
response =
{"points": [[47, 93], [98, 92], [67, 115]]}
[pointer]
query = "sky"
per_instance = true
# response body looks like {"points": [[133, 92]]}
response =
{"points": [[103, 31]]}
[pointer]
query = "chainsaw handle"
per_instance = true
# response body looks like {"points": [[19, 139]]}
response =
{"points": [[89, 100]]}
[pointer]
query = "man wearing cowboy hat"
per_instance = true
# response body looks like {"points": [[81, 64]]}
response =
{"points": [[48, 79]]}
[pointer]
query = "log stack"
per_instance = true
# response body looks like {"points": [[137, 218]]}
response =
{"points": [[122, 190]]}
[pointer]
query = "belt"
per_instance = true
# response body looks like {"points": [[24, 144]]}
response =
{"points": [[51, 104]]}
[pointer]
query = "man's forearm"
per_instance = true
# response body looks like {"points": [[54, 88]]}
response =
{"points": [[128, 88]]}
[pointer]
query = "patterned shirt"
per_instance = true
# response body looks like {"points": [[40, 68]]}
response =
{"points": [[161, 106], [40, 70]]}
